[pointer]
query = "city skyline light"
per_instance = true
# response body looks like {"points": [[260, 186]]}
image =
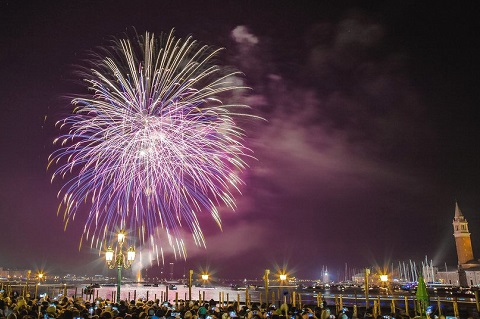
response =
{"points": [[370, 135]]}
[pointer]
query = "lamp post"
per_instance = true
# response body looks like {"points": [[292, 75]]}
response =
{"points": [[283, 278], [205, 279], [39, 277], [384, 280], [116, 259]]}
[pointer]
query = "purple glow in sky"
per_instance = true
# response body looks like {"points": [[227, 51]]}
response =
{"points": [[371, 130]]}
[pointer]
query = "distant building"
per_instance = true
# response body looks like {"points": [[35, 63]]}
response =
{"points": [[14, 274], [359, 278], [468, 268]]}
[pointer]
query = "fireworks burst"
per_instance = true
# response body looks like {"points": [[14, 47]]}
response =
{"points": [[151, 145]]}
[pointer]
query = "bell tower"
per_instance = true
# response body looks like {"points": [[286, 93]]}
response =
{"points": [[462, 237]]}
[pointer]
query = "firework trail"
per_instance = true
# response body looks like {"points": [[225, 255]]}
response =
{"points": [[151, 145]]}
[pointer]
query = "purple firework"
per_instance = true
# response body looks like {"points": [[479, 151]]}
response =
{"points": [[151, 145]]}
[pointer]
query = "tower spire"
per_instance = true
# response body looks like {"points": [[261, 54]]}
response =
{"points": [[458, 212]]}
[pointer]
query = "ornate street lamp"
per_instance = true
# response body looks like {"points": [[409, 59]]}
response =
{"points": [[116, 259]]}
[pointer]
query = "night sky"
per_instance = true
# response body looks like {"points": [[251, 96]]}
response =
{"points": [[371, 131]]}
